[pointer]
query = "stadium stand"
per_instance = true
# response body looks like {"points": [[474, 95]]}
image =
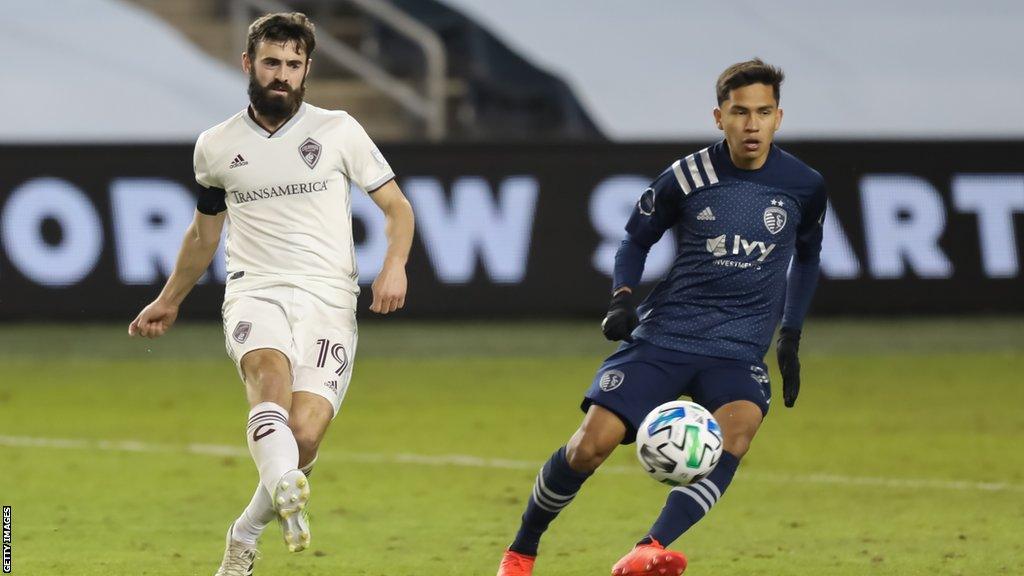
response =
{"points": [[855, 70], [490, 92], [528, 70], [506, 96]]}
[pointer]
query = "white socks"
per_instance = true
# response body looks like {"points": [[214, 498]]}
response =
{"points": [[271, 443], [255, 518], [260, 511]]}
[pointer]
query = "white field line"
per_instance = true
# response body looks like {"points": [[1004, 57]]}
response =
{"points": [[465, 461]]}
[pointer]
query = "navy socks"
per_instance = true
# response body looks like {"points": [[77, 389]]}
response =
{"points": [[688, 504], [555, 487]]}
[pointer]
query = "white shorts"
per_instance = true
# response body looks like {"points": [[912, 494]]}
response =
{"points": [[318, 340]]}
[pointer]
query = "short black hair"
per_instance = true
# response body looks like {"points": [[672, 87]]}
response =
{"points": [[742, 74], [282, 27]]}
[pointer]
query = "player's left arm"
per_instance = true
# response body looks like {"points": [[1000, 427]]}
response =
{"points": [[363, 163], [801, 282], [390, 286]]}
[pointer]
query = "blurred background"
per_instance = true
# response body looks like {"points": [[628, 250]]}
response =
{"points": [[523, 133]]}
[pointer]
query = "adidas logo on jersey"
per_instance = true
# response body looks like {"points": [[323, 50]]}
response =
{"points": [[238, 161], [706, 214]]}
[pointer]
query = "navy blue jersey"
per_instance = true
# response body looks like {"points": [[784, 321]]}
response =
{"points": [[737, 231]]}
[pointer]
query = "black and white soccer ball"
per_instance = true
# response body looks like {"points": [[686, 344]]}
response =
{"points": [[679, 443]]}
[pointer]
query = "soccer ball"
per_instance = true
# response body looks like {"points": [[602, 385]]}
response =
{"points": [[679, 443]]}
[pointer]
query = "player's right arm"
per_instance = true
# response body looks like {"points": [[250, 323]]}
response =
{"points": [[194, 257], [655, 212]]}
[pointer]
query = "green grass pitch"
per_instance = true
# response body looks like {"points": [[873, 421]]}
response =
{"points": [[902, 457]]}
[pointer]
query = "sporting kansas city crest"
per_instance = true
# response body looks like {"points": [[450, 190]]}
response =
{"points": [[310, 152], [775, 217], [611, 380]]}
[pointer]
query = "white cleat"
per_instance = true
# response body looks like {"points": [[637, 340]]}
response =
{"points": [[290, 497], [239, 557]]}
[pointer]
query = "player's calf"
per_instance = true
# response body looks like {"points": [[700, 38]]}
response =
{"points": [[308, 443], [311, 414], [584, 455], [597, 437]]}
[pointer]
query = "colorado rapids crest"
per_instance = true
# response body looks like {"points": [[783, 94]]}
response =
{"points": [[310, 152]]}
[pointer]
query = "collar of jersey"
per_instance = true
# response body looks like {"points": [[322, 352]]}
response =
{"points": [[726, 160], [280, 131]]}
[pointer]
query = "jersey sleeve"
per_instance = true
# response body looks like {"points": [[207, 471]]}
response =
{"points": [[809, 233], [362, 161], [211, 197], [656, 211], [204, 174]]}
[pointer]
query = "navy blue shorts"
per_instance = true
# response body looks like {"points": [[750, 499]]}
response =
{"points": [[640, 376]]}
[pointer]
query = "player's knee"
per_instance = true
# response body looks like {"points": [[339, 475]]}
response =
{"points": [[595, 440], [267, 373], [739, 422], [585, 457], [308, 441], [738, 447], [737, 438]]}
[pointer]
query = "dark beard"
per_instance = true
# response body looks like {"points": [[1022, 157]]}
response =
{"points": [[274, 107]]}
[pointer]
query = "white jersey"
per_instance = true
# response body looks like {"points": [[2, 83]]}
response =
{"points": [[288, 200]]}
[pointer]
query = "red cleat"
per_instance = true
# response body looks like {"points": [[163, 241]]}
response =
{"points": [[516, 564], [650, 560]]}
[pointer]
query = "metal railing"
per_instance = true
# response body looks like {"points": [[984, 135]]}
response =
{"points": [[429, 106]]}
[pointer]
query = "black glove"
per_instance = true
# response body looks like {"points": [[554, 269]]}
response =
{"points": [[621, 319], [786, 350]]}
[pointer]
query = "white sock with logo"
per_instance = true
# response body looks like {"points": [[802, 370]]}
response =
{"points": [[271, 443]]}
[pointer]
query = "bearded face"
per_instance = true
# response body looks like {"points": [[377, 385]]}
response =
{"points": [[277, 100], [277, 79]]}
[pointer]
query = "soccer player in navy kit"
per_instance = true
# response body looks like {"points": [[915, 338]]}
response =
{"points": [[748, 220]]}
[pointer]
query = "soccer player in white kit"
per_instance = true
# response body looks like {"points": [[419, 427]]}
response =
{"points": [[280, 173]]}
